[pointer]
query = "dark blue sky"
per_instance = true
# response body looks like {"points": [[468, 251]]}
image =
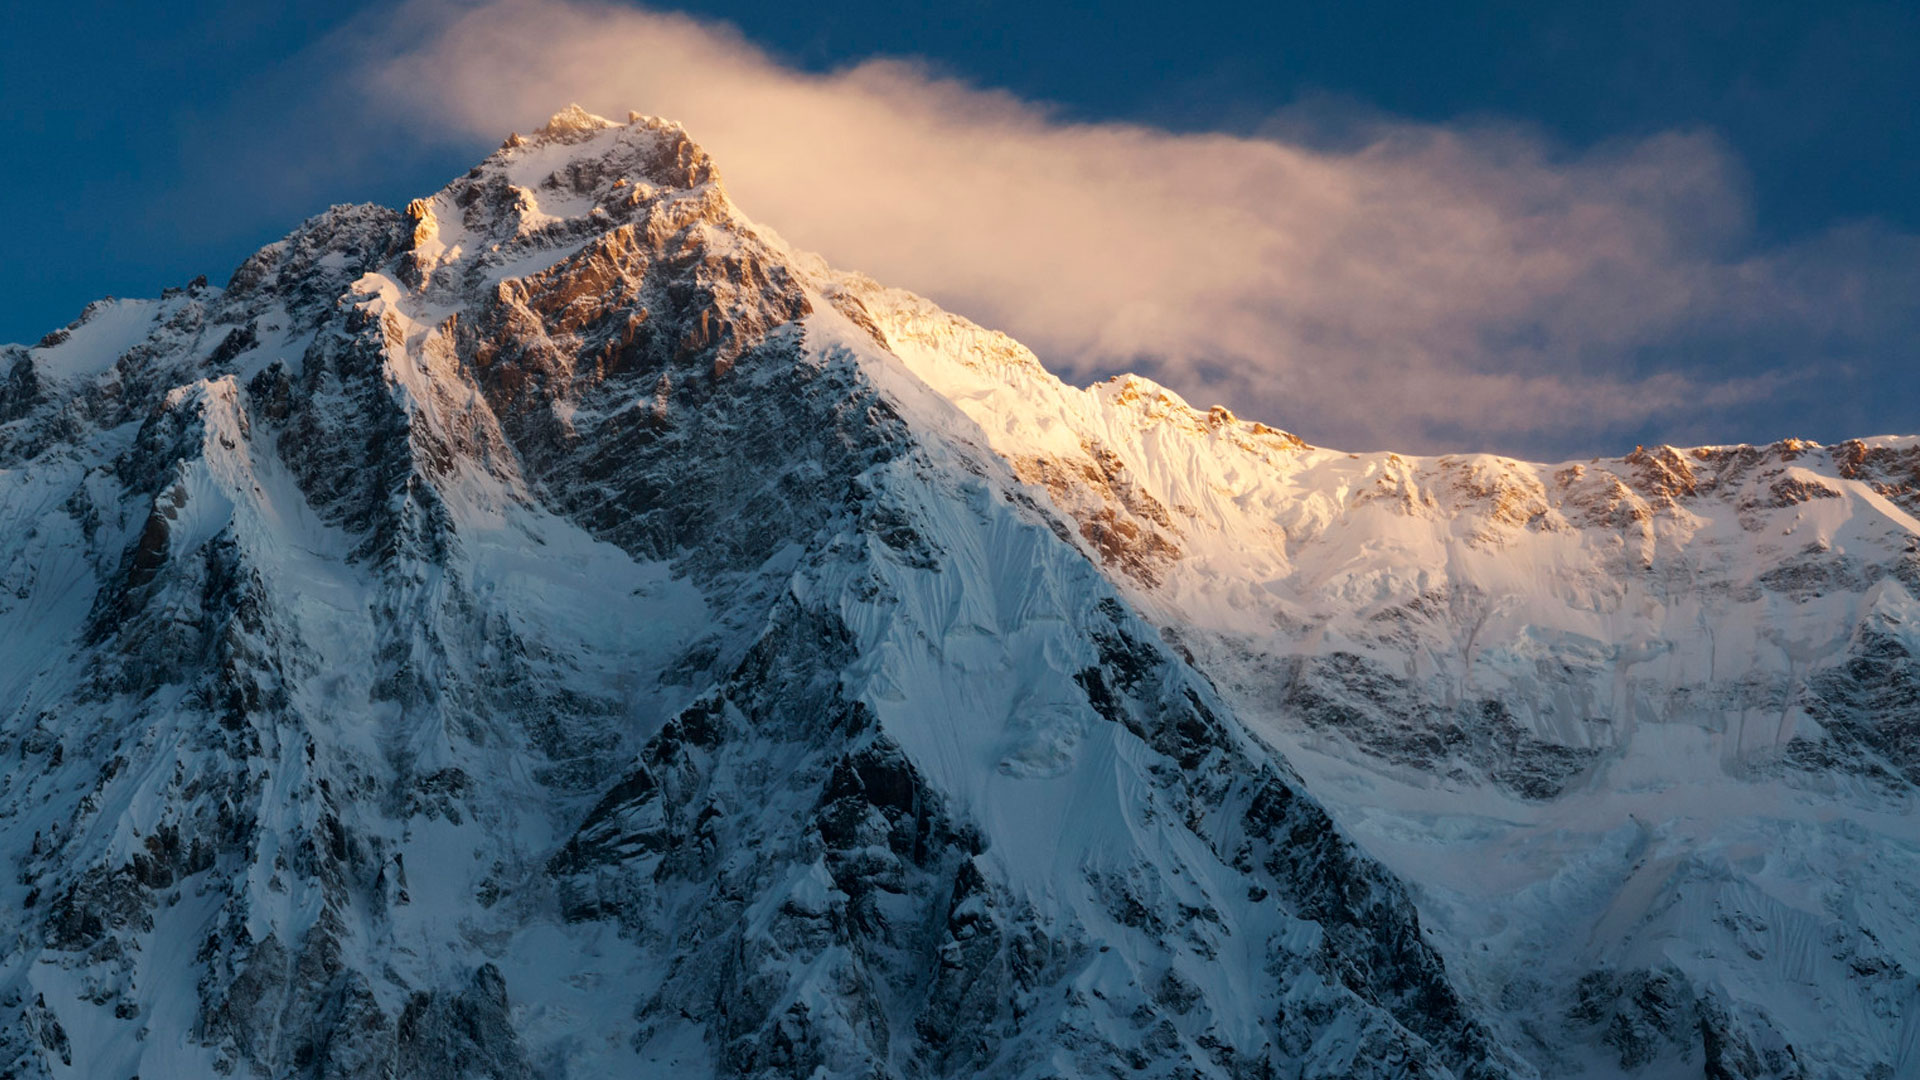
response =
{"points": [[136, 134]]}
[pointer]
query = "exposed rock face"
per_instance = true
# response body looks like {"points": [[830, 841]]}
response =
{"points": [[548, 632], [557, 630]]}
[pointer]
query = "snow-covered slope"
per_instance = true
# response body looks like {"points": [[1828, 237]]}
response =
{"points": [[554, 632], [1644, 732]]}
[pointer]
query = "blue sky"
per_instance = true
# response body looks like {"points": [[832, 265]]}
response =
{"points": [[151, 144]]}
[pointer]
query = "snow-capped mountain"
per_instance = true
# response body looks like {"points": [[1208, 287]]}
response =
{"points": [[559, 630], [1642, 733]]}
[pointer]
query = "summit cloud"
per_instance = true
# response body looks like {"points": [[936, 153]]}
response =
{"points": [[1423, 286]]}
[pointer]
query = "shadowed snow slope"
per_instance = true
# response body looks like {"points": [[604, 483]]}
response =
{"points": [[558, 630], [1644, 733]]}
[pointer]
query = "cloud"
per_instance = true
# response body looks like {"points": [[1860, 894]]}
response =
{"points": [[1408, 285]]}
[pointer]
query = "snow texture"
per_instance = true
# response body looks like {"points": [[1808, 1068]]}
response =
{"points": [[558, 630]]}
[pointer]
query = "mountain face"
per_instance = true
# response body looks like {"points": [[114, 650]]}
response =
{"points": [[561, 631]]}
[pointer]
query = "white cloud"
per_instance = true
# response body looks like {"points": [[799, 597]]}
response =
{"points": [[1421, 287]]}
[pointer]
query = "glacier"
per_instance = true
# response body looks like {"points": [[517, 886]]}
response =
{"points": [[559, 629]]}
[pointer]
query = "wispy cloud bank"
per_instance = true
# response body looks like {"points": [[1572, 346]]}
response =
{"points": [[1418, 286]]}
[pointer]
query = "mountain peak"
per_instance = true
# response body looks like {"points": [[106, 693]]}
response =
{"points": [[576, 148], [696, 623], [578, 177], [571, 122]]}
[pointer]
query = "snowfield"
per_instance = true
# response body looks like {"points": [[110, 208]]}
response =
{"points": [[559, 630]]}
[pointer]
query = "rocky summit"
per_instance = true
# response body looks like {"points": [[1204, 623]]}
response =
{"points": [[559, 630]]}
